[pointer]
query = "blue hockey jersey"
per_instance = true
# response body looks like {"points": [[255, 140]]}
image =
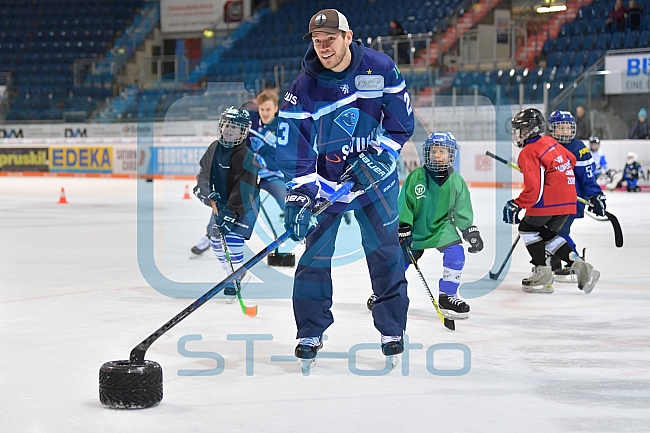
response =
{"points": [[585, 173], [328, 117], [262, 141]]}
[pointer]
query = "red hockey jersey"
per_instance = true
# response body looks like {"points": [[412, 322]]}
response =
{"points": [[549, 181]]}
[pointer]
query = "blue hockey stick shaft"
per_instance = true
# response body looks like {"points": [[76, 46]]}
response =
{"points": [[137, 353]]}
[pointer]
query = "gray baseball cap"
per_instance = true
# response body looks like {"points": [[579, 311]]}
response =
{"points": [[329, 21]]}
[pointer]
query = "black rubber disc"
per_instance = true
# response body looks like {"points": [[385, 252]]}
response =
{"points": [[282, 259], [123, 385]]}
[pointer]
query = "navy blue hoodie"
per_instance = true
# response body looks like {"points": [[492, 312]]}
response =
{"points": [[327, 117]]}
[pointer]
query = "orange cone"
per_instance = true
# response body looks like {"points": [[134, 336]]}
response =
{"points": [[186, 196], [62, 199]]}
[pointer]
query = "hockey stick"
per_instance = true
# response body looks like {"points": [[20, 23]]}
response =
{"points": [[618, 232], [137, 353], [249, 311], [495, 275], [448, 323]]}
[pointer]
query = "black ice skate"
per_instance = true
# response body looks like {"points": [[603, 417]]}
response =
{"points": [[453, 307], [230, 292], [391, 346], [371, 301], [202, 246], [307, 349], [565, 275]]}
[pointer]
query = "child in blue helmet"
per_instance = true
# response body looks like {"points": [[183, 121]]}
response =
{"points": [[562, 127], [434, 204]]}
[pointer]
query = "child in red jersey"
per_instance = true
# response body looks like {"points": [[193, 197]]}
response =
{"points": [[549, 197]]}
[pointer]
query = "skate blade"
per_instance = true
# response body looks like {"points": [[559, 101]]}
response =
{"points": [[547, 288], [231, 299], [566, 279], [394, 360], [452, 315], [306, 365], [594, 276]]}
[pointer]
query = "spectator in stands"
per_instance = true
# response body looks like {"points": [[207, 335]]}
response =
{"points": [[616, 19], [634, 13], [583, 125], [396, 29], [640, 128]]}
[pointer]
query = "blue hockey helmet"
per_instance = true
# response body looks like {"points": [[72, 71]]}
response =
{"points": [[233, 126], [439, 151], [562, 126]]}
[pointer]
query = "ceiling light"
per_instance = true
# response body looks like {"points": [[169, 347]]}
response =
{"points": [[547, 9]]}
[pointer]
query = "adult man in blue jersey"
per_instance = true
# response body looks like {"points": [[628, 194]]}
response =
{"points": [[562, 127], [346, 116]]}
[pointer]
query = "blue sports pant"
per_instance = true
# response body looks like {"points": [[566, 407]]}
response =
{"points": [[312, 289]]}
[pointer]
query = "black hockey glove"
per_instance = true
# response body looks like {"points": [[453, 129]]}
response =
{"points": [[226, 221], [472, 235], [298, 212], [370, 168], [405, 235], [597, 204], [511, 212], [203, 193]]}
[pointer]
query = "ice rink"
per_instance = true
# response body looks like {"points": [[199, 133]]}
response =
{"points": [[73, 297]]}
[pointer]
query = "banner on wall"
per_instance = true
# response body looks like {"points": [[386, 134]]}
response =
{"points": [[175, 160], [627, 73], [86, 159], [23, 159], [188, 15]]}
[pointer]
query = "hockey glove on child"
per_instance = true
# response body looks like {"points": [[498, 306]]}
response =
{"points": [[299, 208], [203, 193], [472, 235], [405, 235], [511, 212], [597, 204], [226, 221], [371, 167]]}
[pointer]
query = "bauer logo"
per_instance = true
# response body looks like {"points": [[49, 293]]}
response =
{"points": [[369, 82]]}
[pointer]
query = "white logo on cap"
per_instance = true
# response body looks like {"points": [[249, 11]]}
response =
{"points": [[320, 20]]}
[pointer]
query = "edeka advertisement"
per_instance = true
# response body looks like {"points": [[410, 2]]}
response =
{"points": [[23, 159], [628, 73], [175, 160], [85, 159]]}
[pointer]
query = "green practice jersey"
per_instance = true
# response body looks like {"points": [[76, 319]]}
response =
{"points": [[434, 211]]}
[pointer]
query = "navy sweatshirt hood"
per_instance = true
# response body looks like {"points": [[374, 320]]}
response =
{"points": [[312, 65]]}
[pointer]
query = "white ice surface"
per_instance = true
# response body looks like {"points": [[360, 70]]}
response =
{"points": [[73, 297]]}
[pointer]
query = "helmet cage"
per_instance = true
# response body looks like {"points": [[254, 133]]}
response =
{"points": [[562, 126], [437, 141], [233, 127]]}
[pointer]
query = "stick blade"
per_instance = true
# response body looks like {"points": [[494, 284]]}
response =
{"points": [[450, 324], [251, 311], [618, 232]]}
